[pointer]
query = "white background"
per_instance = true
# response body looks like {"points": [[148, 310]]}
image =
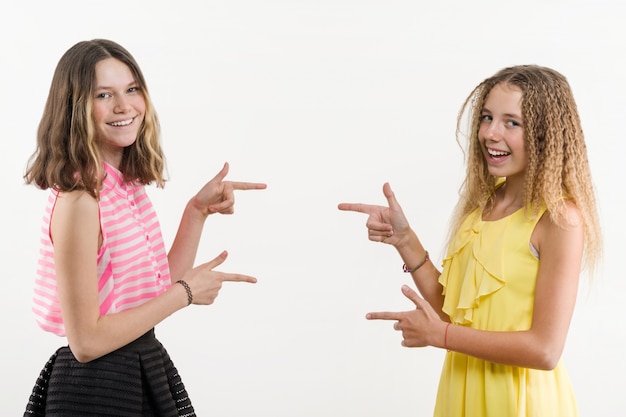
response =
{"points": [[324, 101]]}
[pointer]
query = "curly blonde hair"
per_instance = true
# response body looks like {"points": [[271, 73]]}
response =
{"points": [[558, 168], [67, 156]]}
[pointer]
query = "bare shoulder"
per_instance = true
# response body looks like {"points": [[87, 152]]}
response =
{"points": [[573, 215], [564, 231], [76, 197], [76, 204], [570, 219], [75, 210]]}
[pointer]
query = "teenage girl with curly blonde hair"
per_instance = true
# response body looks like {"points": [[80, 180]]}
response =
{"points": [[524, 227]]}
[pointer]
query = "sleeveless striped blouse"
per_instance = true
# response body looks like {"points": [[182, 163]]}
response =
{"points": [[132, 262]]}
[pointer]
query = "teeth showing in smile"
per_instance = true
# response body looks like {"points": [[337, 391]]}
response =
{"points": [[122, 123], [497, 154]]}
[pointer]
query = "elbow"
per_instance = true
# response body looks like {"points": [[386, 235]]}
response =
{"points": [[543, 350], [83, 359], [84, 351], [82, 355], [547, 364], [547, 358]]}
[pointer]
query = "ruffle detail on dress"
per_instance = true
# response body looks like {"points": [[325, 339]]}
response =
{"points": [[470, 272]]}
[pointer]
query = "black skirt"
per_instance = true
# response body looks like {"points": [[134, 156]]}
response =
{"points": [[136, 380]]}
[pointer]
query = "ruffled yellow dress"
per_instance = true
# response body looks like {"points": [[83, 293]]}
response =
{"points": [[489, 276]]}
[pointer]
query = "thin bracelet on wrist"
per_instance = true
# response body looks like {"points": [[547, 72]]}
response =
{"points": [[187, 289], [418, 266]]}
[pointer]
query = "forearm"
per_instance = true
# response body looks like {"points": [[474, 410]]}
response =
{"points": [[90, 339], [182, 254], [426, 277], [528, 349]]}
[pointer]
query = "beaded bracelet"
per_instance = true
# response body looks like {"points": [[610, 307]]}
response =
{"points": [[419, 265], [188, 289]]}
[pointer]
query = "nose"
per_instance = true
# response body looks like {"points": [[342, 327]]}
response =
{"points": [[121, 104], [492, 132]]}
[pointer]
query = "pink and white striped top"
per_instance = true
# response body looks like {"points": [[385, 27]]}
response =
{"points": [[132, 262]]}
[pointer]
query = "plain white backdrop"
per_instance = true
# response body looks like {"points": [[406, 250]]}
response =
{"points": [[324, 101]]}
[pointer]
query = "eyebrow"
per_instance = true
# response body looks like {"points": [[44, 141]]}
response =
{"points": [[104, 87], [509, 115]]}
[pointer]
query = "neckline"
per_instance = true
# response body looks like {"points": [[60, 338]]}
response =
{"points": [[500, 218], [500, 182]]}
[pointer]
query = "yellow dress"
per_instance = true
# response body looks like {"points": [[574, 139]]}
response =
{"points": [[489, 276]]}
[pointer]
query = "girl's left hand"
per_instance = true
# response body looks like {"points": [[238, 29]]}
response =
{"points": [[420, 327], [217, 195]]}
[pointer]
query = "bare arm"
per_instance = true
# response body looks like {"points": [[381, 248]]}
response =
{"points": [[217, 196], [390, 225], [539, 347], [426, 277], [75, 230]]}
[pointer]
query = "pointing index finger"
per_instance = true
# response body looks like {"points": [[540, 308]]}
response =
{"points": [[238, 278], [240, 185], [358, 207], [383, 315]]}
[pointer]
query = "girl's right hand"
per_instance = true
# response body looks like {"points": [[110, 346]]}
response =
{"points": [[384, 224], [205, 283]]}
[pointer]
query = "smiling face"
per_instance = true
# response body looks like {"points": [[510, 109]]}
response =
{"points": [[501, 132], [118, 109]]}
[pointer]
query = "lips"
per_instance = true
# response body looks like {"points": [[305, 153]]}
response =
{"points": [[121, 123], [496, 155]]}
